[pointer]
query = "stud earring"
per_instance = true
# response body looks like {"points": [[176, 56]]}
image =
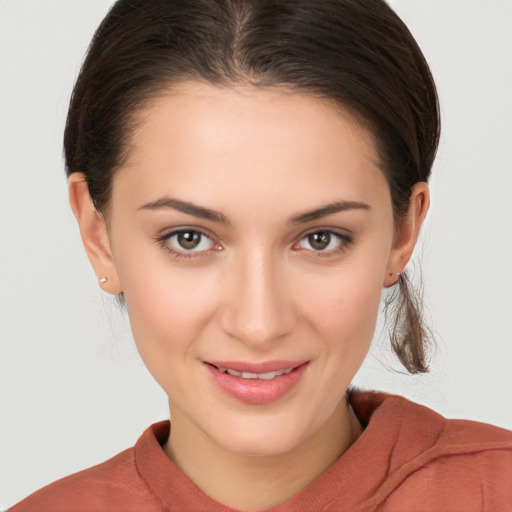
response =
{"points": [[398, 276], [103, 279]]}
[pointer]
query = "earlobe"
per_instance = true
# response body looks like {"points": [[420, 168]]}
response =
{"points": [[407, 233], [93, 230]]}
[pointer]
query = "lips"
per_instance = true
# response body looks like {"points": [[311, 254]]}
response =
{"points": [[256, 383]]}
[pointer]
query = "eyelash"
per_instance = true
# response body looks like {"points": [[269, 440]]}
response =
{"points": [[344, 241], [183, 254]]}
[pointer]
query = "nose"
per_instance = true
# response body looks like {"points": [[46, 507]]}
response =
{"points": [[259, 310]]}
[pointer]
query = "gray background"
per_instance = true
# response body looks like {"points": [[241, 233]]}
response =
{"points": [[73, 391]]}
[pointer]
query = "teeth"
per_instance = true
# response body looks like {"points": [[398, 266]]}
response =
{"points": [[268, 376], [249, 375]]}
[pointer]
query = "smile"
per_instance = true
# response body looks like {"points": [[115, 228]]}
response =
{"points": [[257, 384], [249, 375]]}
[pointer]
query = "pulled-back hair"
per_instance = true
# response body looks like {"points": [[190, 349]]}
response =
{"points": [[355, 52]]}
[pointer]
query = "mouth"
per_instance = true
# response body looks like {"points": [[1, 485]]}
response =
{"points": [[250, 375], [259, 383]]}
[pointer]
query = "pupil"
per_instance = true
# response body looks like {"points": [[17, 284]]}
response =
{"points": [[319, 240], [189, 239]]}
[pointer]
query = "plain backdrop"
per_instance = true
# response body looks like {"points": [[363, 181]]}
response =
{"points": [[73, 391]]}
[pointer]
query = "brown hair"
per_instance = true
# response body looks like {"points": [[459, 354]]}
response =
{"points": [[355, 52]]}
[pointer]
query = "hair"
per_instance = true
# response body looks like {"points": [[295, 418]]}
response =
{"points": [[357, 53]]}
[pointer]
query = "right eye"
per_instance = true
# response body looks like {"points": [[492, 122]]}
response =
{"points": [[190, 241], [187, 242]]}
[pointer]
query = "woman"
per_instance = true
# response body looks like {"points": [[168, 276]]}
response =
{"points": [[248, 176]]}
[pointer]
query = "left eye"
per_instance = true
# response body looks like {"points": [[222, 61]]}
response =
{"points": [[190, 241], [321, 241]]}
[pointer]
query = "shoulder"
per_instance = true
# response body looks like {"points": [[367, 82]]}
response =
{"points": [[112, 485], [468, 468], [450, 464]]}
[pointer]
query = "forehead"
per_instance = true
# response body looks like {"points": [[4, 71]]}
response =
{"points": [[202, 109], [198, 138]]}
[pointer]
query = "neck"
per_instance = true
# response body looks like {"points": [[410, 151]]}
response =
{"points": [[252, 483]]}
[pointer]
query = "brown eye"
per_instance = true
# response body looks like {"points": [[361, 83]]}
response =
{"points": [[319, 241], [326, 242], [189, 239]]}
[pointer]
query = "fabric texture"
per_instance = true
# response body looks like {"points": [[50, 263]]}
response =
{"points": [[408, 458]]}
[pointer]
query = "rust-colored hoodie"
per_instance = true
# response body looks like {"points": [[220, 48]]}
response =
{"points": [[408, 458]]}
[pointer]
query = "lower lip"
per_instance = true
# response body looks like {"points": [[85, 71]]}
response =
{"points": [[257, 391]]}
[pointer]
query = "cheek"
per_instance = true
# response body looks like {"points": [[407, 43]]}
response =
{"points": [[343, 309], [346, 329], [168, 313], [168, 308], [347, 309]]}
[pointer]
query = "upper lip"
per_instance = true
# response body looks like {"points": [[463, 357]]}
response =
{"points": [[264, 367]]}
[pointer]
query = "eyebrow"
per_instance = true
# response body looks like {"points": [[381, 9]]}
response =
{"points": [[205, 213], [186, 207], [329, 209]]}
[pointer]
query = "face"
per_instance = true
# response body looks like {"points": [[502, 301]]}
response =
{"points": [[251, 233]]}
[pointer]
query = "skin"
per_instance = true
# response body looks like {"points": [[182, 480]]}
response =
{"points": [[256, 289]]}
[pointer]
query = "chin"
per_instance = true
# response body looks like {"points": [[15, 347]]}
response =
{"points": [[270, 446], [263, 438]]}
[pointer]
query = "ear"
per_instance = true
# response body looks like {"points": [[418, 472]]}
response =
{"points": [[93, 230], [407, 232]]}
